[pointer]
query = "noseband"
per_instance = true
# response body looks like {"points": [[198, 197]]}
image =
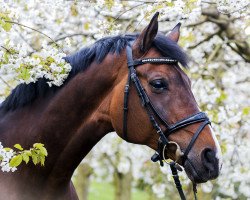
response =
{"points": [[156, 117]]}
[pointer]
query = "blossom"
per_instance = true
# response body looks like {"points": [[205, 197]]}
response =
{"points": [[219, 85], [6, 156]]}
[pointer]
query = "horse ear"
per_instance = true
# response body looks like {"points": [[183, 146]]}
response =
{"points": [[174, 34], [146, 37]]}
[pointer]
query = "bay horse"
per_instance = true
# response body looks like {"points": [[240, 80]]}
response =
{"points": [[69, 120]]}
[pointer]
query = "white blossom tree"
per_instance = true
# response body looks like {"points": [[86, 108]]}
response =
{"points": [[36, 36]]}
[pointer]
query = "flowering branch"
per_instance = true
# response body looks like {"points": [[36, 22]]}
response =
{"points": [[33, 29], [205, 40], [6, 49], [73, 35], [10, 159]]}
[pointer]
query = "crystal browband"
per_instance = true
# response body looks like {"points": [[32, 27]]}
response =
{"points": [[158, 60], [163, 60]]}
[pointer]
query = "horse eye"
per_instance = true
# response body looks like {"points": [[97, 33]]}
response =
{"points": [[159, 84]]}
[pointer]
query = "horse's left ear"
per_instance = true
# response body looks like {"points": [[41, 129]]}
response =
{"points": [[146, 37], [174, 34]]}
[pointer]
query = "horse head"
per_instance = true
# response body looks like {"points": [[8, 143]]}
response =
{"points": [[160, 95]]}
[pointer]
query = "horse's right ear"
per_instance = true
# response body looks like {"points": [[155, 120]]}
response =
{"points": [[174, 34], [146, 37]]}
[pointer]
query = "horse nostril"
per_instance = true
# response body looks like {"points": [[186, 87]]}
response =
{"points": [[210, 161]]}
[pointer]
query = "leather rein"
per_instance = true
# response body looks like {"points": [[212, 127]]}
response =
{"points": [[153, 114]]}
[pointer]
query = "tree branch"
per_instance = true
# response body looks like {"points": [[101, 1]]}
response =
{"points": [[239, 53], [73, 35], [6, 49], [127, 11], [247, 80], [228, 13], [197, 23], [5, 82], [33, 29], [128, 25], [214, 53], [228, 31], [208, 2], [205, 40], [21, 36], [105, 155]]}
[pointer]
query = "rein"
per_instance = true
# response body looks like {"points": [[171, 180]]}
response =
{"points": [[153, 114]]}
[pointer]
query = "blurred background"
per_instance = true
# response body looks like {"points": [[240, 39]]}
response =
{"points": [[216, 36]]}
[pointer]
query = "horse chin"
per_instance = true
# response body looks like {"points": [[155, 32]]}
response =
{"points": [[193, 173]]}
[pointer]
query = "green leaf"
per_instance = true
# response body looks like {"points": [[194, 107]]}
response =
{"points": [[170, 4], [7, 26], [7, 149], [16, 161], [38, 159], [28, 153], [246, 111], [34, 158], [24, 73], [42, 160], [38, 145], [222, 97], [223, 146], [73, 9], [109, 4], [18, 146], [6, 57], [43, 151], [86, 26], [49, 60], [26, 158]]}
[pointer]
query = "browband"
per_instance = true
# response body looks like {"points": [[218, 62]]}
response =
{"points": [[161, 60]]}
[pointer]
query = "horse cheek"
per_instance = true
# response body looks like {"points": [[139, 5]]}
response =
{"points": [[116, 109]]}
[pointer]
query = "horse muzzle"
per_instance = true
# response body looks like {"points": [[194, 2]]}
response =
{"points": [[205, 168]]}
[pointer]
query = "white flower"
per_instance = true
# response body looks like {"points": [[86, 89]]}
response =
{"points": [[159, 190], [124, 165], [68, 42]]}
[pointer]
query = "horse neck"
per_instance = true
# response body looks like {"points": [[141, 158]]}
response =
{"points": [[77, 118], [69, 123]]}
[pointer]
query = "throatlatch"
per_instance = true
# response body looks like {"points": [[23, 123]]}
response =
{"points": [[152, 112]]}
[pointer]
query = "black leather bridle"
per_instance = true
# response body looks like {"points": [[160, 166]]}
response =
{"points": [[153, 114]]}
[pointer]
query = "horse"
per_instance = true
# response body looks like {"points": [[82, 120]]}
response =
{"points": [[70, 120]]}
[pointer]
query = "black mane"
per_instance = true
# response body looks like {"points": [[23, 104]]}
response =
{"points": [[25, 94]]}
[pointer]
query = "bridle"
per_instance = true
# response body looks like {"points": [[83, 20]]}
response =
{"points": [[153, 114]]}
